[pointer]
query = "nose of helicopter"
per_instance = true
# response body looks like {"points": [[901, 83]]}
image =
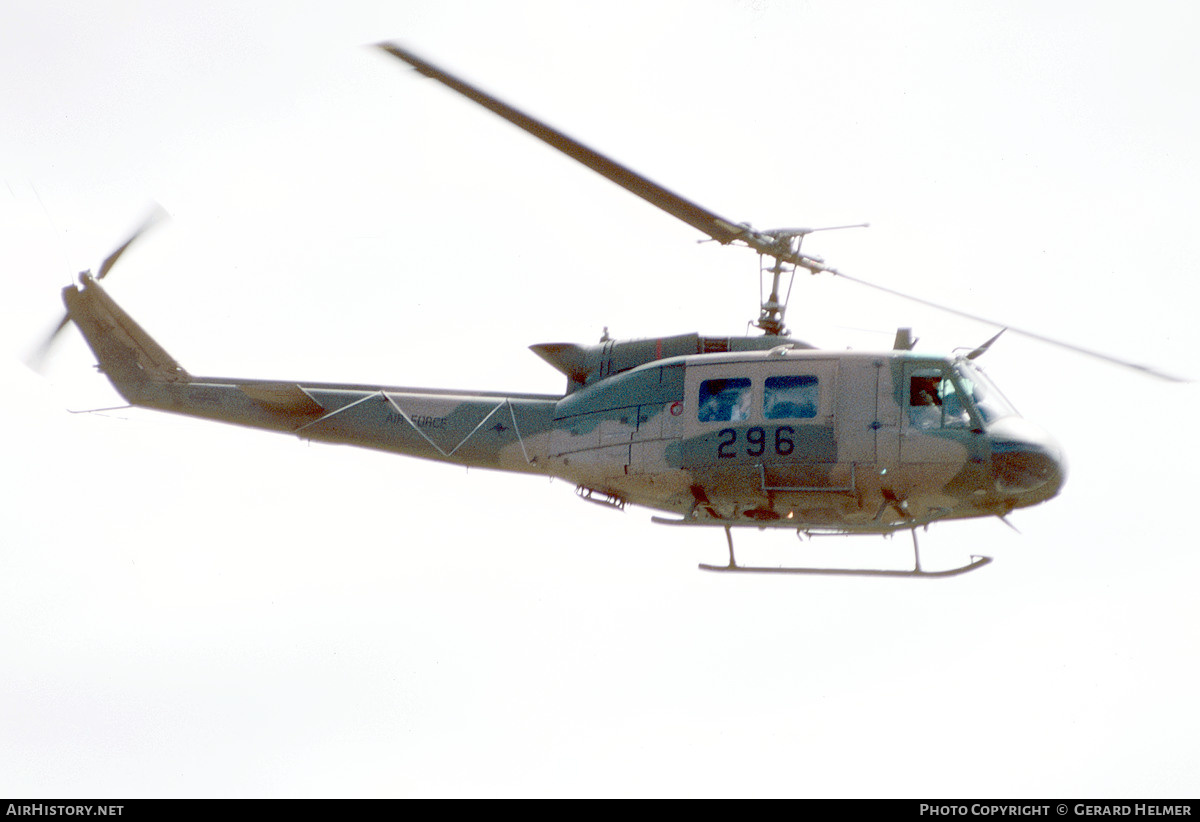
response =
{"points": [[1026, 460]]}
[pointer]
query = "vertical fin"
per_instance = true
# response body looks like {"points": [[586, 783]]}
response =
{"points": [[127, 354]]}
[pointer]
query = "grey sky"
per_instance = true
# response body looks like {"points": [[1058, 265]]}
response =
{"points": [[195, 610]]}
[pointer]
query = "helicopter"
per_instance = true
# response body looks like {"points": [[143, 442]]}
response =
{"points": [[761, 431]]}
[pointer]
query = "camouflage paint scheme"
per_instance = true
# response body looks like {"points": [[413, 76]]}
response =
{"points": [[628, 430]]}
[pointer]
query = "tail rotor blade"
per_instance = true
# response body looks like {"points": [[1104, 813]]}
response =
{"points": [[37, 359], [156, 215]]}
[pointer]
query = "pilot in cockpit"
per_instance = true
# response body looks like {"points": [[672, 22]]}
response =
{"points": [[925, 403]]}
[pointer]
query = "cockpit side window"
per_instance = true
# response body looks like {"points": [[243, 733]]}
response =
{"points": [[790, 397], [934, 401], [724, 400]]}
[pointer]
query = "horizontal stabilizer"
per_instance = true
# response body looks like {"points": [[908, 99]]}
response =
{"points": [[569, 358]]}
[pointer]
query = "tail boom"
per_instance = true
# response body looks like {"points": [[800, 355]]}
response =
{"points": [[492, 430]]}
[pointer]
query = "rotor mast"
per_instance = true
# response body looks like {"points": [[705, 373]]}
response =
{"points": [[783, 244]]}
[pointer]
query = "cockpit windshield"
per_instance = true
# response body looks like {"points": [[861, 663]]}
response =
{"points": [[953, 396], [985, 396]]}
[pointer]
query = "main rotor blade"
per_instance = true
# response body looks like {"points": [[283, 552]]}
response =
{"points": [[715, 226], [775, 244], [1087, 352]]}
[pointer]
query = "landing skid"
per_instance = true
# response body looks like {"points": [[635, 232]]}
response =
{"points": [[976, 562]]}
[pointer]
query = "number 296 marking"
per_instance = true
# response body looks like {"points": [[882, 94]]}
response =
{"points": [[757, 442]]}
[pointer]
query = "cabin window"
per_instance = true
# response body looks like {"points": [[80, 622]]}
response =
{"points": [[790, 398], [726, 400]]}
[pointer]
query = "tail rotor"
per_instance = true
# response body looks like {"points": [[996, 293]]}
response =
{"points": [[37, 358]]}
